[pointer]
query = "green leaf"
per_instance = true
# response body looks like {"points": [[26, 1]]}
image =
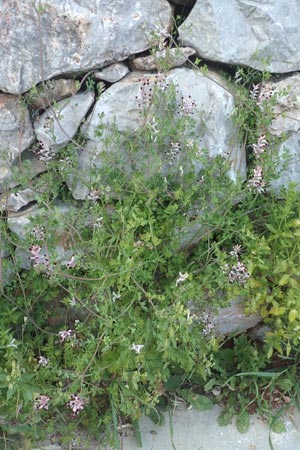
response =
{"points": [[278, 426], [243, 422], [225, 418], [199, 402], [284, 280], [210, 384], [293, 314], [137, 433], [157, 417], [173, 383]]}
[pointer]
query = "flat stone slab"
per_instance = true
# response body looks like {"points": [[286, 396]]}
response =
{"points": [[195, 430]]}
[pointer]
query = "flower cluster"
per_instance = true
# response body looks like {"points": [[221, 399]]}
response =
{"points": [[94, 195], [40, 260], [147, 87], [66, 334], [39, 232], [265, 94], [257, 183], [76, 404], [187, 106], [42, 402], [137, 347], [208, 326], [44, 153], [237, 273], [42, 361], [173, 152], [261, 145]]}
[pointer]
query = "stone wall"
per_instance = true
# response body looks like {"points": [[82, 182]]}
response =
{"points": [[53, 54]]}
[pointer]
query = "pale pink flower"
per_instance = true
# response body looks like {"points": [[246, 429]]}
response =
{"points": [[76, 404], [66, 334], [261, 145], [237, 273], [257, 183], [42, 402]]}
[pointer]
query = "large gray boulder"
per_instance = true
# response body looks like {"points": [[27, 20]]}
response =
{"points": [[263, 35], [205, 97], [286, 126], [58, 125], [68, 36], [16, 134]]}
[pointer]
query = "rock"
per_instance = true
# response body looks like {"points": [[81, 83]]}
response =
{"points": [[112, 73], [19, 223], [288, 168], [5, 249], [73, 36], [285, 125], [202, 95], [30, 167], [16, 134], [262, 35], [58, 125], [259, 331], [287, 107], [18, 200], [7, 271], [168, 58], [51, 91], [233, 319]]}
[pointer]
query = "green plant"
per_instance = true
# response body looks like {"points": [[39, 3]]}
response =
{"points": [[109, 323]]}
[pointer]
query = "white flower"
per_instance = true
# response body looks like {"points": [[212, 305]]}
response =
{"points": [[182, 277], [43, 361], [137, 347], [115, 296], [12, 343]]}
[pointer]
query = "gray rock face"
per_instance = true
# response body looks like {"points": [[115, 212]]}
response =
{"points": [[67, 36], [58, 125], [173, 57], [51, 91], [16, 133], [112, 73], [262, 35], [211, 103], [7, 271], [233, 319], [286, 124], [18, 200]]}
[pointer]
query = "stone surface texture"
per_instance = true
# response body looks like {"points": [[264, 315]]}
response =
{"points": [[233, 319], [67, 36], [112, 73], [263, 35], [286, 125], [213, 106], [16, 133], [58, 125], [51, 91]]}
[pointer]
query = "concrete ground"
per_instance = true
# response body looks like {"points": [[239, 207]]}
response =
{"points": [[194, 430]]}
